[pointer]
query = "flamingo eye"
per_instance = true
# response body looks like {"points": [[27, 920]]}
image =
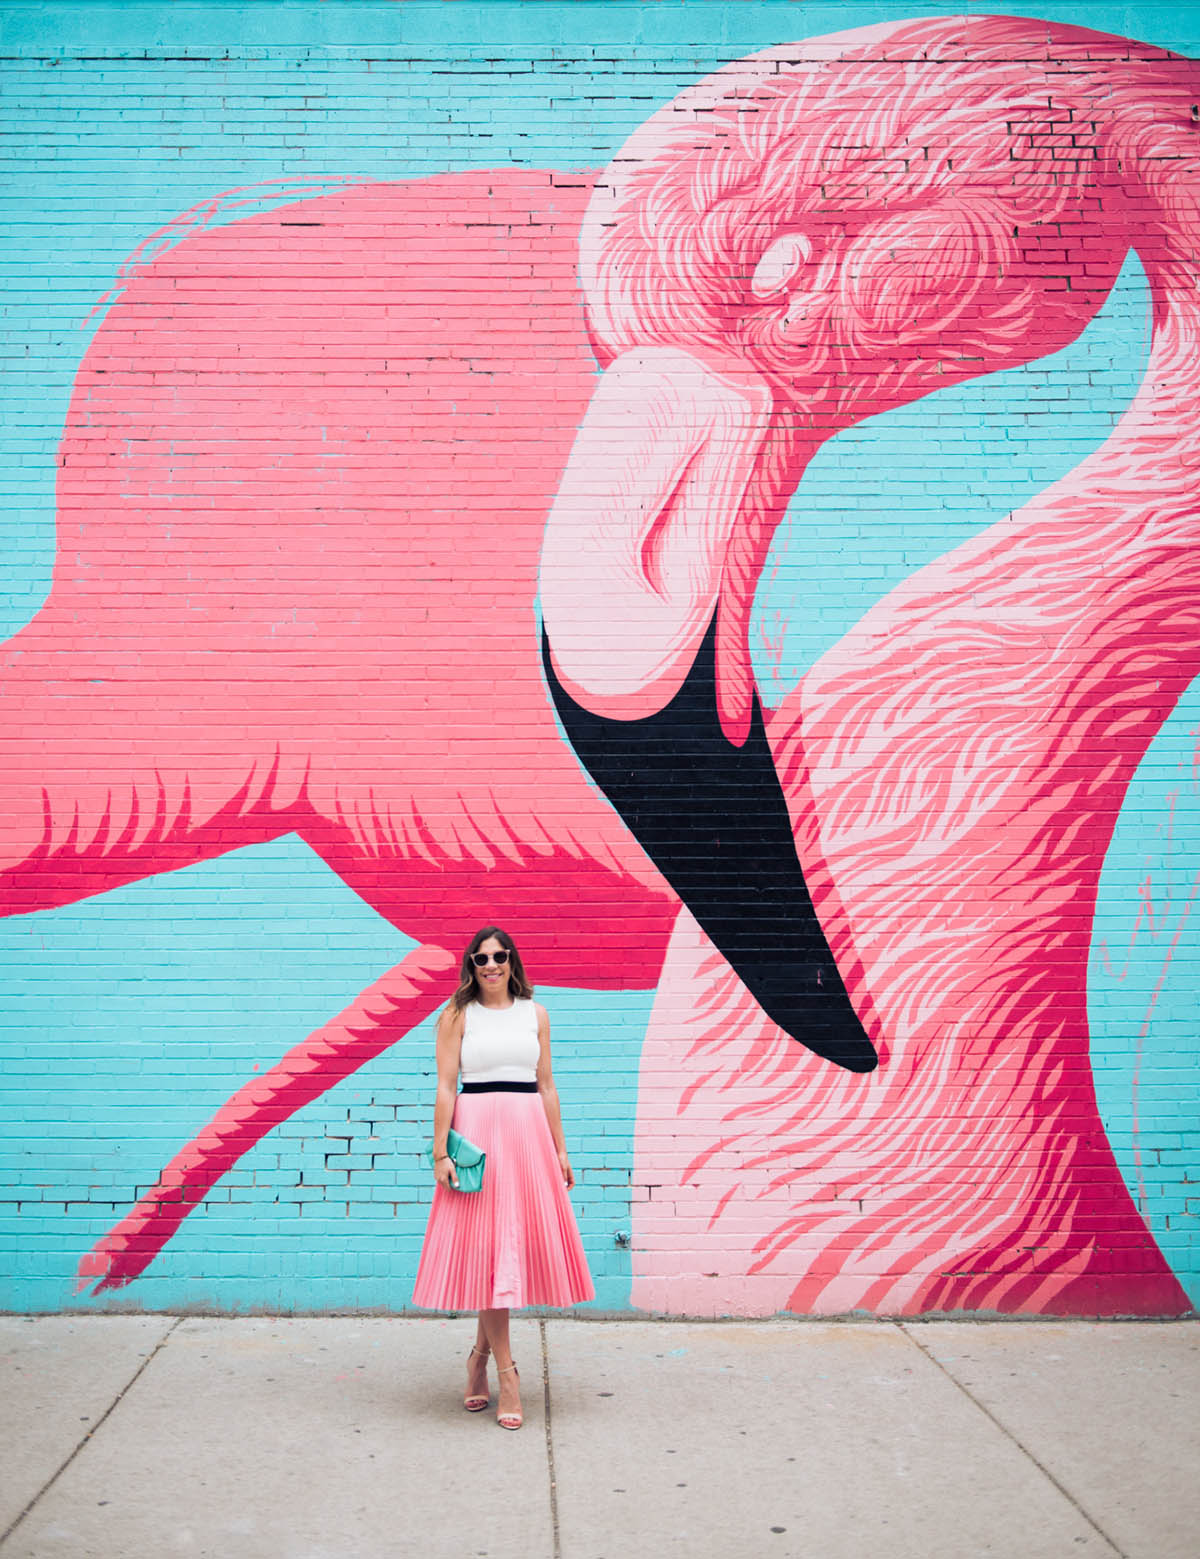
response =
{"points": [[780, 264]]}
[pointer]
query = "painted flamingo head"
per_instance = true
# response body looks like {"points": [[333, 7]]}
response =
{"points": [[807, 237], [865, 218], [810, 236]]}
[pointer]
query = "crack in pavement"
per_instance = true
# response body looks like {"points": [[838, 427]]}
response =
{"points": [[557, 1553], [1009, 1435], [100, 1422]]}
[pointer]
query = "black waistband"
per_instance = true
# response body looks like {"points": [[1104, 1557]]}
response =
{"points": [[499, 1088]]}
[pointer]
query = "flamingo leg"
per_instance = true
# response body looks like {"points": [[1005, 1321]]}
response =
{"points": [[379, 1016]]}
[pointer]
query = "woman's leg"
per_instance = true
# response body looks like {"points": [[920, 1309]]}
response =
{"points": [[495, 1327], [477, 1363]]}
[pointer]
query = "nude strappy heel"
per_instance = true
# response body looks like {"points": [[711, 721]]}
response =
{"points": [[477, 1404], [510, 1420]]}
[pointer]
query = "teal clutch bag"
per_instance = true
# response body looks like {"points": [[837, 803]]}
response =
{"points": [[468, 1161]]}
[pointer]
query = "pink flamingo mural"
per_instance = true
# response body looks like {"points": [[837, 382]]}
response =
{"points": [[311, 465]]}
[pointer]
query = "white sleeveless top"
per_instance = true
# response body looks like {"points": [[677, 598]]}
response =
{"points": [[500, 1044]]}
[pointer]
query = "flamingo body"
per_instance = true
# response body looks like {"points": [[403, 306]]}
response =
{"points": [[302, 489]]}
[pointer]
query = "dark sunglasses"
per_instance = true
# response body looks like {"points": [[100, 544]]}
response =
{"points": [[480, 960]]}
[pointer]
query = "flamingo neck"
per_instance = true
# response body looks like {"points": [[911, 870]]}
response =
{"points": [[1161, 423]]}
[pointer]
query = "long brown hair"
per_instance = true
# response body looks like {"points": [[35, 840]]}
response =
{"points": [[468, 989]]}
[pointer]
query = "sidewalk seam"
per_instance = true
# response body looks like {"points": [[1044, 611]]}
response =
{"points": [[100, 1422], [1009, 1435], [557, 1549]]}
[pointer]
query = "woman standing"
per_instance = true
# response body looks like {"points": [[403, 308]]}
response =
{"points": [[515, 1242]]}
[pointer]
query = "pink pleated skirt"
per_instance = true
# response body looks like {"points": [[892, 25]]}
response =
{"points": [[515, 1242]]}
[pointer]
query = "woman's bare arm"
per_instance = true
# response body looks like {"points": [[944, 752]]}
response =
{"points": [[449, 1047], [549, 1093]]}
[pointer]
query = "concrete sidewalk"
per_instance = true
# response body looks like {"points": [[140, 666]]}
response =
{"points": [[144, 1437]]}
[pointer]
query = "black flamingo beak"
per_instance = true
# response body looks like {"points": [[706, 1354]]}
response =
{"points": [[712, 818]]}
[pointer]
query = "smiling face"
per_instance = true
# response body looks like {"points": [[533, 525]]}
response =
{"points": [[493, 978]]}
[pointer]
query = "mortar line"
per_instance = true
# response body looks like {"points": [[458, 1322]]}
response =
{"points": [[1016, 1440], [100, 1422], [557, 1550]]}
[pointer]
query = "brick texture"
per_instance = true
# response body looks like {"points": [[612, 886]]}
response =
{"points": [[732, 525]]}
